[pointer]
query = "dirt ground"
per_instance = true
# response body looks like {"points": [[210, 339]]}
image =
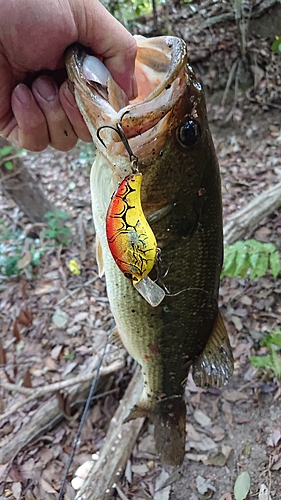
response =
{"points": [[235, 429]]}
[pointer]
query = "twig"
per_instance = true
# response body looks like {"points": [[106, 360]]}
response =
{"points": [[42, 391], [229, 81]]}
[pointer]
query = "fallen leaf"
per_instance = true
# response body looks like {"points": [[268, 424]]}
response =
{"points": [[206, 443], [139, 468], [242, 486], [273, 438], [197, 457], [201, 418], [60, 318], [16, 488], [226, 496], [233, 396], [46, 486], [25, 318], [264, 493], [162, 492], [192, 433], [226, 408], [25, 260], [217, 433], [203, 485]]}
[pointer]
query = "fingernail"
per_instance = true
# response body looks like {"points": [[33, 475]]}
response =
{"points": [[46, 88], [22, 93]]}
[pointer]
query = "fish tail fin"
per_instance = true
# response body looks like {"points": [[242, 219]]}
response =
{"points": [[169, 419], [169, 433]]}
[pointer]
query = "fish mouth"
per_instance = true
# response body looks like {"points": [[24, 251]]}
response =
{"points": [[160, 74]]}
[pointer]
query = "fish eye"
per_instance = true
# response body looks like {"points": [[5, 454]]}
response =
{"points": [[188, 133]]}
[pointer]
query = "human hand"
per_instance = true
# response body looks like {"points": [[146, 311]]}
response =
{"points": [[36, 106]]}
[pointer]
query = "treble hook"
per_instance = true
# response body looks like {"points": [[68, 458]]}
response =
{"points": [[133, 158]]}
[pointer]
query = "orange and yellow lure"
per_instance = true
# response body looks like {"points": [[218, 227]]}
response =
{"points": [[130, 238]]}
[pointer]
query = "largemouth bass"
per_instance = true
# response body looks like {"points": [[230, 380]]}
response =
{"points": [[165, 130]]}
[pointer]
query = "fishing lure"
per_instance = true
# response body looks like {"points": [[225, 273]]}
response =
{"points": [[130, 238]]}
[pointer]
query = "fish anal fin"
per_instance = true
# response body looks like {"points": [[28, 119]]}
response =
{"points": [[214, 366], [99, 257], [115, 339]]}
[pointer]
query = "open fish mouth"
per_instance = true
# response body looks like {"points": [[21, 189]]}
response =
{"points": [[160, 74]]}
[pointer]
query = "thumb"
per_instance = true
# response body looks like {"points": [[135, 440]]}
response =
{"points": [[107, 38]]}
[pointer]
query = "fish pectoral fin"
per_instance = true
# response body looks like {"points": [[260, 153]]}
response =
{"points": [[99, 257], [138, 411], [115, 339], [214, 366]]}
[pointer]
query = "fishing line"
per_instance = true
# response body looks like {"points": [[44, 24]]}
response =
{"points": [[82, 422]]}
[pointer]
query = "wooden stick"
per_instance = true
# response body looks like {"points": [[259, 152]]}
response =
{"points": [[241, 222], [49, 414], [120, 440]]}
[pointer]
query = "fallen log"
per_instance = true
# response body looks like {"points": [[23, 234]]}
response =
{"points": [[238, 225], [49, 414], [120, 440]]}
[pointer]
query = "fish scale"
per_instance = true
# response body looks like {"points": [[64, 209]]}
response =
{"points": [[167, 130]]}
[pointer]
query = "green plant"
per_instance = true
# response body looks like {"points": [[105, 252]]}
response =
{"points": [[56, 228], [276, 46], [18, 253], [272, 360], [251, 257]]}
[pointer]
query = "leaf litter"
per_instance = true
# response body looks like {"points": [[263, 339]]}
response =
{"points": [[235, 427]]}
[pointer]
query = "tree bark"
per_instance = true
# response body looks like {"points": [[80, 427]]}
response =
{"points": [[245, 220], [22, 187]]}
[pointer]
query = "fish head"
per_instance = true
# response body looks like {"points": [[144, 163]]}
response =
{"points": [[165, 126]]}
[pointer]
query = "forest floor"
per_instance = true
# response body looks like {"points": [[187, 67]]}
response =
{"points": [[53, 322]]}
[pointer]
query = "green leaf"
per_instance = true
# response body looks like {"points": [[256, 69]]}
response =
{"points": [[274, 263], [261, 361], [242, 486], [9, 165], [276, 365], [5, 151], [276, 46], [262, 265], [242, 263], [11, 266]]}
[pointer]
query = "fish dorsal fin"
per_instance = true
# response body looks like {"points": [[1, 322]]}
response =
{"points": [[99, 257], [214, 366]]}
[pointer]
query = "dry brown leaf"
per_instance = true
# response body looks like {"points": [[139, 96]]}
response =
{"points": [[3, 358], [226, 496], [25, 260], [197, 457], [16, 331], [226, 408], [192, 433], [46, 486], [273, 438], [233, 396], [24, 318], [27, 379], [201, 418], [16, 488], [217, 433]]}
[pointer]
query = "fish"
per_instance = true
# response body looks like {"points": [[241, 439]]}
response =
{"points": [[163, 135]]}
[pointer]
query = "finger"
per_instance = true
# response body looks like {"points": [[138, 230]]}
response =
{"points": [[61, 133], [110, 40], [70, 107], [30, 128]]}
